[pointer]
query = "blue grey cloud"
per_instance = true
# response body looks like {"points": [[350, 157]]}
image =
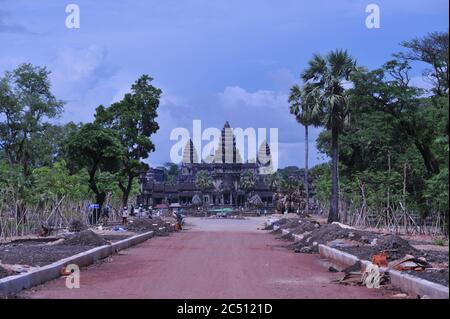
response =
{"points": [[214, 60]]}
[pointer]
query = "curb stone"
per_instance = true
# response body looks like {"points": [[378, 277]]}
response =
{"points": [[14, 284]]}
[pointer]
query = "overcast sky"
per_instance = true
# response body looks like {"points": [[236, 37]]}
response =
{"points": [[215, 60]]}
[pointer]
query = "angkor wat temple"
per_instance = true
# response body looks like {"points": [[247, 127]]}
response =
{"points": [[225, 167]]}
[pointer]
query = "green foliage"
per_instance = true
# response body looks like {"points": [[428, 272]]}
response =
{"points": [[394, 151], [99, 151], [247, 180], [134, 120], [25, 103], [273, 180], [55, 182], [203, 180], [171, 172], [325, 103], [438, 242]]}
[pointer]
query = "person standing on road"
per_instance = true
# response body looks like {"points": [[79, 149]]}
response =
{"points": [[125, 215]]}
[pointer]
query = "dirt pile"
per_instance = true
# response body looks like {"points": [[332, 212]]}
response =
{"points": [[38, 254], [303, 226], [284, 223], [84, 238], [395, 247], [329, 233], [143, 225], [77, 226], [5, 272]]}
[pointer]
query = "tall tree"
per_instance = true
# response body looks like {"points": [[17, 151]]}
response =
{"points": [[300, 108], [171, 172], [26, 103], [134, 119], [325, 77], [203, 180], [388, 89], [98, 150], [247, 181], [433, 50]]}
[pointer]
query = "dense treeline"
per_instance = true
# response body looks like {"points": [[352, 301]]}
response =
{"points": [[50, 173], [392, 145]]}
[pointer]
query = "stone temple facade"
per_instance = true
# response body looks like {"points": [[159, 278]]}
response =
{"points": [[225, 169]]}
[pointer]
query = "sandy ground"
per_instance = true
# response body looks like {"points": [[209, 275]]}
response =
{"points": [[210, 258]]}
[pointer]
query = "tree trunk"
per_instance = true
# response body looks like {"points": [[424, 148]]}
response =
{"points": [[306, 169], [100, 199], [126, 190], [99, 196], [429, 159], [334, 213]]}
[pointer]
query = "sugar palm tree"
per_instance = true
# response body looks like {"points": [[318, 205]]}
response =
{"points": [[247, 180], [203, 180], [326, 99], [302, 113]]}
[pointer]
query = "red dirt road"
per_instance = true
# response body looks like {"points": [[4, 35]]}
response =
{"points": [[209, 260]]}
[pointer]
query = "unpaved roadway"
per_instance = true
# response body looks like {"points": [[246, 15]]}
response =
{"points": [[210, 258]]}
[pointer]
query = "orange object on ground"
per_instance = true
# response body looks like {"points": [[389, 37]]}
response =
{"points": [[64, 272], [380, 259], [178, 226]]}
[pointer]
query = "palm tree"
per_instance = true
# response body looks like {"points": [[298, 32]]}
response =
{"points": [[203, 180], [247, 181], [326, 100], [302, 114], [273, 180]]}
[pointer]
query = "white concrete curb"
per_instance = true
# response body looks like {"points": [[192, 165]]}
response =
{"points": [[407, 283], [340, 257], [13, 284], [418, 286]]}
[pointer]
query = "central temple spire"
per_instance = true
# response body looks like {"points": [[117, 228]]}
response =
{"points": [[227, 151]]}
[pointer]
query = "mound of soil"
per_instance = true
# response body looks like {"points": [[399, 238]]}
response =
{"points": [[84, 238], [5, 272], [284, 223], [37, 255], [329, 232], [77, 226], [395, 246], [143, 225], [305, 225]]}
